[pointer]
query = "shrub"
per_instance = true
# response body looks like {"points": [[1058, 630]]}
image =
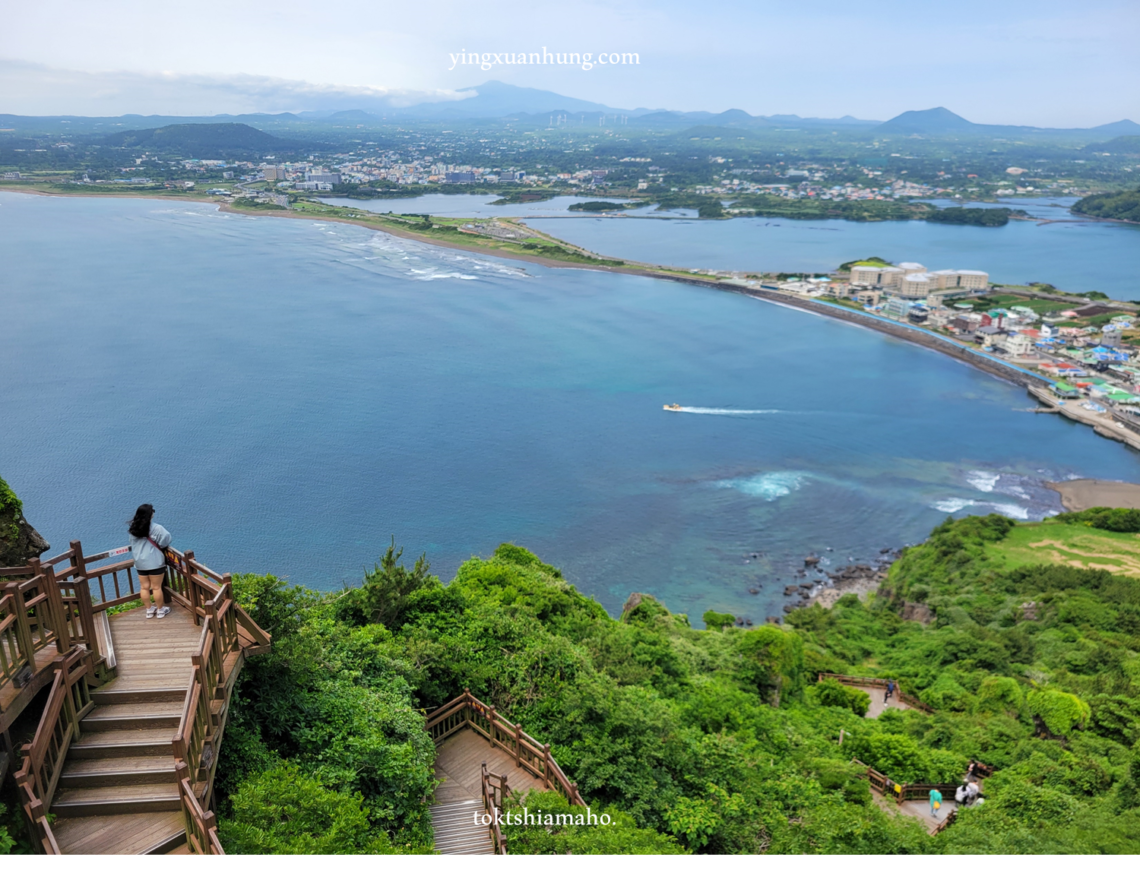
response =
{"points": [[830, 692], [561, 836], [286, 812], [1058, 710]]}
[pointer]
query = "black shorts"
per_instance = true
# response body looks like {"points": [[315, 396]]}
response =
{"points": [[159, 571]]}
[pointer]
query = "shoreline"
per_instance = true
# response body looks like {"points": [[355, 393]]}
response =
{"points": [[1084, 493]]}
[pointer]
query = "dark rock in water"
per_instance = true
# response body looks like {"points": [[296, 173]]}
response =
{"points": [[19, 541], [886, 550], [811, 561], [830, 549], [790, 589], [740, 621], [791, 606], [753, 590], [772, 619], [748, 622]]}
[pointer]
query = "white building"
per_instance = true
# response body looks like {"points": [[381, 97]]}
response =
{"points": [[871, 275]]}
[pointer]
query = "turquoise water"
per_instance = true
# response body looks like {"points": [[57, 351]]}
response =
{"points": [[291, 394]]}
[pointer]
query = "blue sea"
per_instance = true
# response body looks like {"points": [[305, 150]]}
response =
{"points": [[291, 395]]}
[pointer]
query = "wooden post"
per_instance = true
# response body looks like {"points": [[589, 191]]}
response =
{"points": [[192, 595], [502, 790], [79, 562], [546, 766], [58, 611], [518, 744], [576, 797], [86, 613], [491, 725], [23, 630]]}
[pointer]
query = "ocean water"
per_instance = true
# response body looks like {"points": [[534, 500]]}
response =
{"points": [[292, 394]]}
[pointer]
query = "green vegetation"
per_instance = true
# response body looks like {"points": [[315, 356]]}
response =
{"points": [[712, 741], [982, 216], [873, 262], [11, 510], [596, 206], [529, 196], [1032, 668], [1124, 206]]}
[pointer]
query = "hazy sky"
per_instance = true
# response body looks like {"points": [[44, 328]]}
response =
{"points": [[1035, 62]]}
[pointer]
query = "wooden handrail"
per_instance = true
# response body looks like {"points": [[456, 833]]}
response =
{"points": [[68, 703], [529, 754], [201, 825], [495, 793]]}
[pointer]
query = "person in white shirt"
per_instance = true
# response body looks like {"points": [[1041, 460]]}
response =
{"points": [[148, 540]]}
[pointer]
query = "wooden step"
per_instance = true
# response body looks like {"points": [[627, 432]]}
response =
{"points": [[456, 831], [132, 716], [96, 771], [123, 743], [147, 833], [113, 693], [116, 800]]}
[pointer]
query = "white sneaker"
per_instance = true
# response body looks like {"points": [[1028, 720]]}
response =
{"points": [[150, 611], [163, 612]]}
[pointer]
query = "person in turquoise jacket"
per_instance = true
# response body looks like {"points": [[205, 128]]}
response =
{"points": [[935, 802]]}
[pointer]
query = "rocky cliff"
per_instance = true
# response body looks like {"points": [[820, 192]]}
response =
{"points": [[19, 541]]}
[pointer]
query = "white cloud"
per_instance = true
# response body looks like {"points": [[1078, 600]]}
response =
{"points": [[36, 89]]}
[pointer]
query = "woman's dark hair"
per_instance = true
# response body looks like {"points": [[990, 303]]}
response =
{"points": [[140, 523]]}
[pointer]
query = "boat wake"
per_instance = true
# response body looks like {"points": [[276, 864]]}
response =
{"points": [[726, 412]]}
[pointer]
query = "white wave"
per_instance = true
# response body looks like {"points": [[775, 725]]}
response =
{"points": [[953, 505], [982, 481], [769, 486], [728, 412]]}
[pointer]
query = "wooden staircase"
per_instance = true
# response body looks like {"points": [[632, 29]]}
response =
{"points": [[121, 769], [128, 767]]}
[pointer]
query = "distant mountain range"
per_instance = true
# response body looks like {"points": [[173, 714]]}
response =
{"points": [[941, 121], [500, 101]]}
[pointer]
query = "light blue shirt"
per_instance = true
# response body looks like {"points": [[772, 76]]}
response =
{"points": [[146, 555]]}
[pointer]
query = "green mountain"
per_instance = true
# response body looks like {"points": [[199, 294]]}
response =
{"points": [[203, 141]]}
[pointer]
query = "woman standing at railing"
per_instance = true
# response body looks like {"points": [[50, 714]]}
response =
{"points": [[147, 542]]}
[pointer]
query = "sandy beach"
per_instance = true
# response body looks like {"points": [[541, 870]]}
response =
{"points": [[1092, 493]]}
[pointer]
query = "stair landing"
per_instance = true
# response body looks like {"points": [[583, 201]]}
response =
{"points": [[459, 798]]}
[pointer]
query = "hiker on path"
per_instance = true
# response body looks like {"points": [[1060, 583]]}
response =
{"points": [[890, 692], [935, 802], [148, 540]]}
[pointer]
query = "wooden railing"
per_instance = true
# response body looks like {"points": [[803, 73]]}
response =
{"points": [[67, 704], [495, 792], [901, 791], [64, 599], [29, 623], [201, 826], [529, 754], [859, 681]]}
